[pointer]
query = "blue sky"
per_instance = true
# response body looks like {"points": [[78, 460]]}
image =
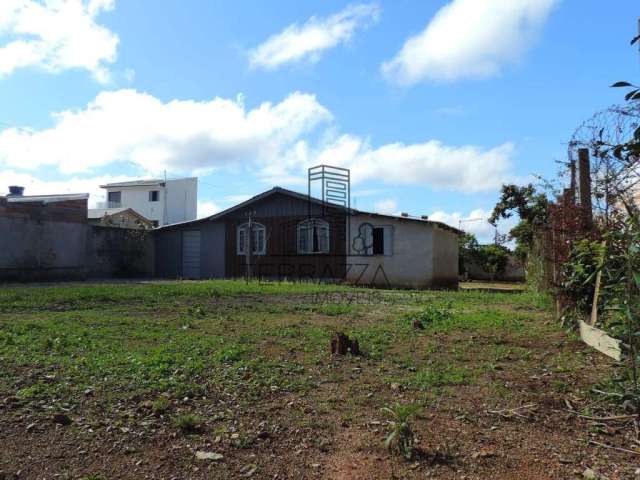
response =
{"points": [[432, 104]]}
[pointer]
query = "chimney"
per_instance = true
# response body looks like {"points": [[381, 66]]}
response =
{"points": [[424, 217], [404, 214], [15, 191]]}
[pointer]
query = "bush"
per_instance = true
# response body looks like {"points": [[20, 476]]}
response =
{"points": [[431, 314]]}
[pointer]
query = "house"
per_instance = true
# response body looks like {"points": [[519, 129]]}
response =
{"points": [[118, 217], [284, 234], [162, 201]]}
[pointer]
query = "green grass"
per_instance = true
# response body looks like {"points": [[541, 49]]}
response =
{"points": [[81, 296], [166, 341]]}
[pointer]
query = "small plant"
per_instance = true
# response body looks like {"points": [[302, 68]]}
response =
{"points": [[160, 405], [401, 438], [196, 311], [188, 423], [431, 314]]}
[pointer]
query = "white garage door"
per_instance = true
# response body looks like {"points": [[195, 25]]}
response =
{"points": [[191, 254]]}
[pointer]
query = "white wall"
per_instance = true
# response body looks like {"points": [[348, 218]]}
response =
{"points": [[411, 262], [182, 200], [138, 199], [181, 197]]}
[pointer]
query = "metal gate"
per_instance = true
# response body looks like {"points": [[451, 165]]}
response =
{"points": [[191, 254]]}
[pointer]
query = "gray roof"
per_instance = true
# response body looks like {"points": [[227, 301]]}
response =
{"points": [[47, 198], [134, 183], [151, 182], [305, 197]]}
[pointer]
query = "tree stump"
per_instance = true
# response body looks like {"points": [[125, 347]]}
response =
{"points": [[341, 344]]}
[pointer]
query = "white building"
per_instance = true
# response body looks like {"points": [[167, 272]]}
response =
{"points": [[162, 202]]}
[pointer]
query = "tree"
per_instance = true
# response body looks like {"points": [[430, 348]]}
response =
{"points": [[493, 258], [531, 206], [467, 247]]}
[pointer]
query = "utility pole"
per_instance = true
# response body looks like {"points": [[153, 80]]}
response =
{"points": [[249, 244]]}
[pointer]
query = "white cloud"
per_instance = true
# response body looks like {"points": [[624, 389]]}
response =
{"points": [[476, 222], [179, 136], [272, 140], [207, 208], [388, 206], [469, 38], [35, 186], [307, 42], [465, 168], [56, 35]]}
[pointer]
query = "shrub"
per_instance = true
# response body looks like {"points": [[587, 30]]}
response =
{"points": [[401, 438], [188, 423], [432, 314]]}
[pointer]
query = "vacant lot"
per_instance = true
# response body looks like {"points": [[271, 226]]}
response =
{"points": [[132, 380]]}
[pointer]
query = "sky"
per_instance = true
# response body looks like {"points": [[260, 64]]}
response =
{"points": [[432, 104]]}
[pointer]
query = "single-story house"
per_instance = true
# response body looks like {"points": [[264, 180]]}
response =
{"points": [[285, 235], [118, 217]]}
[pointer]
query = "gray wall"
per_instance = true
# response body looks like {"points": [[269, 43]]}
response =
{"points": [[514, 272], [33, 250], [168, 247], [36, 251], [445, 258], [119, 252]]}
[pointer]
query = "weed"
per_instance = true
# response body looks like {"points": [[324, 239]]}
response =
{"points": [[160, 405], [401, 438], [439, 376], [431, 314], [188, 423]]}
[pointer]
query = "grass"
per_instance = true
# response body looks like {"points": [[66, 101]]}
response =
{"points": [[233, 353], [188, 338]]}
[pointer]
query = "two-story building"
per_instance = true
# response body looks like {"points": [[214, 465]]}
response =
{"points": [[164, 202]]}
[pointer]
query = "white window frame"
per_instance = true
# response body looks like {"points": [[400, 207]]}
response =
{"points": [[307, 228], [388, 234], [258, 229]]}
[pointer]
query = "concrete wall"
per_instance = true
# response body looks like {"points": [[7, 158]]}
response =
{"points": [[119, 252], [53, 241], [182, 200], [42, 242], [445, 258], [514, 272]]}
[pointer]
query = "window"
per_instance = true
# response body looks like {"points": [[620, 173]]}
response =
{"points": [[154, 195], [378, 240], [114, 199], [259, 241], [373, 240], [313, 236]]}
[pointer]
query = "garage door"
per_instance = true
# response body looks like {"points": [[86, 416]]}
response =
{"points": [[191, 254]]}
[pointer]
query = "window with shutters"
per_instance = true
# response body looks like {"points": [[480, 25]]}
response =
{"points": [[313, 236], [376, 240], [258, 240]]}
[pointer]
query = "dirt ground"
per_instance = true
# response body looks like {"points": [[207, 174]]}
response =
{"points": [[503, 392]]}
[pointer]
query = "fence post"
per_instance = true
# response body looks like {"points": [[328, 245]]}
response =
{"points": [[585, 187]]}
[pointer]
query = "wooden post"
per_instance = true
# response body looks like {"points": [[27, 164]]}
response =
{"points": [[572, 194], [585, 187]]}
